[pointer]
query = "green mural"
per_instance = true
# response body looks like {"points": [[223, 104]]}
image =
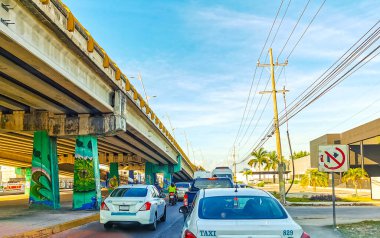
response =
{"points": [[113, 177], [44, 186], [86, 190]]}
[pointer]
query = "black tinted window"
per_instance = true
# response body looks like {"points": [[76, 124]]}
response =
{"points": [[240, 207], [182, 185], [212, 183], [129, 192]]}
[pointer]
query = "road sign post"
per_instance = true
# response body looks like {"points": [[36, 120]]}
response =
{"points": [[333, 158]]}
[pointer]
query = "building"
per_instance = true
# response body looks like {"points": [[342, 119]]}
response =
{"points": [[364, 145], [301, 165], [364, 151]]}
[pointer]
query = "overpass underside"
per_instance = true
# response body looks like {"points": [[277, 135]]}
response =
{"points": [[63, 103]]}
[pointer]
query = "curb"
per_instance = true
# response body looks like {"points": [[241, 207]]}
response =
{"points": [[54, 229]]}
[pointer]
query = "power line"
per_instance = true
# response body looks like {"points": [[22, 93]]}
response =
{"points": [[300, 105], [250, 90]]}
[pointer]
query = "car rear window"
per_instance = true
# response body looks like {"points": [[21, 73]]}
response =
{"points": [[240, 208], [182, 185], [212, 183], [224, 176], [129, 192]]}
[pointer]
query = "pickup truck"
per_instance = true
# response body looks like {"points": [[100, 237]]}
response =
{"points": [[200, 183]]}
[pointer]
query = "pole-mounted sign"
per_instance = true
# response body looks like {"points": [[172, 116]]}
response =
{"points": [[333, 158]]}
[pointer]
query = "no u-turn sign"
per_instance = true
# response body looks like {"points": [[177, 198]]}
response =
{"points": [[333, 158]]}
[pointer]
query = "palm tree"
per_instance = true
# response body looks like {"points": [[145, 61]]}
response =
{"points": [[247, 172], [314, 178], [355, 175], [272, 163], [259, 159]]}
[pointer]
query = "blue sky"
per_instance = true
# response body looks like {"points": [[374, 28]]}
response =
{"points": [[198, 58]]}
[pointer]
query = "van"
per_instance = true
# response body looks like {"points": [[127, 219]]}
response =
{"points": [[222, 172]]}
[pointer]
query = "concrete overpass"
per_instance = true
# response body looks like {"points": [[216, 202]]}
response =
{"points": [[64, 100]]}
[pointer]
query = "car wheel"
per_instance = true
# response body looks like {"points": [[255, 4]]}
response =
{"points": [[163, 218], [108, 226], [153, 226]]}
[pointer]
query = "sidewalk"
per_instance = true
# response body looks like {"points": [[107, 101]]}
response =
{"points": [[16, 217]]}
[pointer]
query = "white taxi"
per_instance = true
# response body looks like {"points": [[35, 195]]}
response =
{"points": [[238, 212], [133, 204]]}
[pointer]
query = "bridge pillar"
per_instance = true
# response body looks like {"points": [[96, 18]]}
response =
{"points": [[44, 186], [28, 178], [86, 190], [114, 179], [149, 174]]}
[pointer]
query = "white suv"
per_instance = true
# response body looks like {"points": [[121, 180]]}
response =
{"points": [[133, 204]]}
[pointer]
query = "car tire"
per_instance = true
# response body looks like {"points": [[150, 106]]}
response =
{"points": [[153, 226], [163, 218], [108, 226]]}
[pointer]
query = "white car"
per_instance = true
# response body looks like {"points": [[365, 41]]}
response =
{"points": [[238, 213], [133, 204]]}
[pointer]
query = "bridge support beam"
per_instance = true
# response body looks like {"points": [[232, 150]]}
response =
{"points": [[114, 179], [44, 188], [63, 125], [86, 191]]}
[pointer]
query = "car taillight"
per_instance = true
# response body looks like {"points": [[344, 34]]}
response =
{"points": [[146, 206], [188, 234], [104, 207], [305, 235], [185, 200]]}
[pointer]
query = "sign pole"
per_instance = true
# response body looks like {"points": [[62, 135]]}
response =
{"points": [[333, 199]]}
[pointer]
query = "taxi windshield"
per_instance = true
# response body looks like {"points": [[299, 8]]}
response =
{"points": [[240, 207]]}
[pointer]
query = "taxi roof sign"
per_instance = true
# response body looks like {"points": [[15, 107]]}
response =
{"points": [[333, 158]]}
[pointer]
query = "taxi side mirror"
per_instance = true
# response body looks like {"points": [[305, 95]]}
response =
{"points": [[183, 209]]}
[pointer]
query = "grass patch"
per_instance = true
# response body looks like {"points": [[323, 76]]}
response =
{"points": [[362, 229]]}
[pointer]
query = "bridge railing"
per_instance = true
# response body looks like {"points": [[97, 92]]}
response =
{"points": [[110, 68]]}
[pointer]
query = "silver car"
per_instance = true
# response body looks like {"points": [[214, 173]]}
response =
{"points": [[182, 188], [241, 212]]}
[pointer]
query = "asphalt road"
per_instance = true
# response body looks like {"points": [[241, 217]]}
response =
{"points": [[171, 228], [317, 221]]}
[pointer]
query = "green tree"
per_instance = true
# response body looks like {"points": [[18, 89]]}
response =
{"points": [[272, 163], [259, 159], [355, 175], [300, 154], [314, 178], [247, 172]]}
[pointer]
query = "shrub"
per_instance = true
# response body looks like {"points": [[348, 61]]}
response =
{"points": [[324, 197], [261, 184]]}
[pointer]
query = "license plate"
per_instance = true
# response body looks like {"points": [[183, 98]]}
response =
{"points": [[123, 208], [171, 196]]}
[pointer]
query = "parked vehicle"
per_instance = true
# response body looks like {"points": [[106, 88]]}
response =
{"points": [[202, 174], [240, 212], [222, 172], [182, 188], [133, 204]]}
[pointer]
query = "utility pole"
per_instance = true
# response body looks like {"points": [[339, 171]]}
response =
{"points": [[170, 124], [234, 156], [276, 125]]}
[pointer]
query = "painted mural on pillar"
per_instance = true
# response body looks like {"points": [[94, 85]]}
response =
{"points": [[44, 188], [86, 190]]}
